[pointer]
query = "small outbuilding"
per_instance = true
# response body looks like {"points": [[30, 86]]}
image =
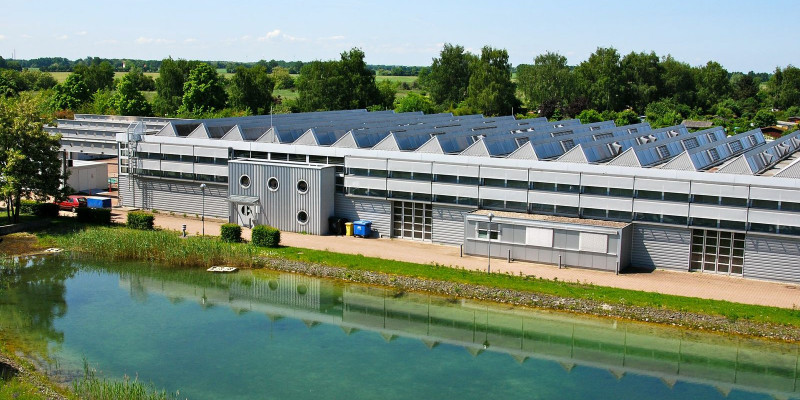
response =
{"points": [[575, 242], [88, 176]]}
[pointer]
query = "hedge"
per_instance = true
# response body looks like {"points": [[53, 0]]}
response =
{"points": [[266, 236], [45, 210], [100, 216], [140, 220], [231, 233]]}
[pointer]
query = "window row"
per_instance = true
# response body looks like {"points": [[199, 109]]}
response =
{"points": [[183, 158], [183, 175]]}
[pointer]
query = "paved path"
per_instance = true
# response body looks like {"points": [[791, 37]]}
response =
{"points": [[679, 283]]}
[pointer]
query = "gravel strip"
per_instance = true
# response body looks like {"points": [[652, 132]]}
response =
{"points": [[544, 301]]}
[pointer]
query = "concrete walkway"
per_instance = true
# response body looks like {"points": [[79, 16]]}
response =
{"points": [[701, 285]]}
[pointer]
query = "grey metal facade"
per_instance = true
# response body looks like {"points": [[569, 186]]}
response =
{"points": [[377, 211], [179, 197], [772, 258], [655, 246], [448, 224], [287, 206]]}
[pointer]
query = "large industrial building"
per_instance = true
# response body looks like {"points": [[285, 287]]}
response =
{"points": [[588, 195]]}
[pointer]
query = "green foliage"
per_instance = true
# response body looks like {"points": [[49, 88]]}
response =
{"points": [[141, 82], [29, 163], [140, 220], [600, 79], [231, 233], [387, 91], [713, 85], [664, 113], [169, 85], [490, 88], [642, 78], [203, 91], [128, 100], [784, 87], [338, 85], [589, 116], [71, 93], [282, 78], [679, 81], [549, 79], [102, 102], [449, 76], [97, 216], [764, 118], [44, 210], [251, 90], [414, 102], [265, 236], [627, 117], [97, 76]]}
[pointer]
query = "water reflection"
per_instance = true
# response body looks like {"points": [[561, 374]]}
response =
{"points": [[621, 348], [32, 294]]}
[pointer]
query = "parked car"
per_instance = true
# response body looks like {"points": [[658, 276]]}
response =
{"points": [[72, 203]]}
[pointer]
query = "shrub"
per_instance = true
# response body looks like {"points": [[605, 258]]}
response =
{"points": [[140, 220], [231, 233], [266, 236], [46, 210], [99, 216]]}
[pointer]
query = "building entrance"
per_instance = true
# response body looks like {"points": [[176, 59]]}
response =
{"points": [[411, 220], [717, 251]]}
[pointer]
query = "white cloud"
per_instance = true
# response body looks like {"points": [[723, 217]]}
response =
{"points": [[25, 36], [245, 38], [108, 41], [293, 38], [190, 40], [81, 33], [2, 37], [270, 35], [62, 37], [336, 37], [146, 40]]}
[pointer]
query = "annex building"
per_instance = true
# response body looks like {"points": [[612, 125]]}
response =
{"points": [[588, 195]]}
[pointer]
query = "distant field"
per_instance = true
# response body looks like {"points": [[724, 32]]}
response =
{"points": [[407, 79]]}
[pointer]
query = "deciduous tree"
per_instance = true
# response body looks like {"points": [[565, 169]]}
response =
{"points": [[128, 100], [203, 91], [490, 88], [29, 162], [600, 78], [251, 89], [449, 75]]}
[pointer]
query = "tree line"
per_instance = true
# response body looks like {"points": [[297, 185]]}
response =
{"points": [[606, 86]]}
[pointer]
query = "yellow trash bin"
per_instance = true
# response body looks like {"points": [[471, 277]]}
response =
{"points": [[348, 228]]}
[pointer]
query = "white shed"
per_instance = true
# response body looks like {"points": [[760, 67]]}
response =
{"points": [[86, 176]]}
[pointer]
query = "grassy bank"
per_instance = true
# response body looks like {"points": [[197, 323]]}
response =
{"points": [[168, 248]]}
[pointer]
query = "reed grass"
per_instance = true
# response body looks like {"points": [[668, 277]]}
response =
{"points": [[90, 387]]}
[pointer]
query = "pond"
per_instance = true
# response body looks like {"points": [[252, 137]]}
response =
{"points": [[276, 335]]}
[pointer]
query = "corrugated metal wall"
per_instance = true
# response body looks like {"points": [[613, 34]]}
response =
{"points": [[772, 258], [448, 224], [179, 197], [660, 247], [280, 208], [375, 210]]}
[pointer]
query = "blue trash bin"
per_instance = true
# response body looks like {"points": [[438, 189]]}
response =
{"points": [[362, 228]]}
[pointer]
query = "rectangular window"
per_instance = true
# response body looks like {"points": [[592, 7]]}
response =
{"points": [[593, 213], [675, 220], [733, 202], [593, 242], [713, 154], [767, 228], [619, 215], [705, 199], [446, 178], [545, 186], [617, 192], [663, 151], [710, 223], [601, 136], [468, 201], [789, 230], [568, 211], [538, 208], [596, 190], [690, 143], [241, 154], [262, 155], [712, 137], [492, 204], [648, 217], [400, 195], [676, 197], [789, 206], [516, 184], [516, 206], [563, 187], [521, 141], [567, 144], [764, 204], [735, 146], [468, 180], [298, 158], [753, 140], [647, 194], [494, 182], [732, 225]]}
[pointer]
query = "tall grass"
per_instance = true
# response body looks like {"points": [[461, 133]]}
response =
{"points": [[165, 247], [90, 387]]}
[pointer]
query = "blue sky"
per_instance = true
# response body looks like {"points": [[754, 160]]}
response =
{"points": [[741, 35]]}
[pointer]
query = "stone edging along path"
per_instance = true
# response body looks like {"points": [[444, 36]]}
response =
{"points": [[542, 301]]}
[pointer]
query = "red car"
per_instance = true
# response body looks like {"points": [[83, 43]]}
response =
{"points": [[72, 203]]}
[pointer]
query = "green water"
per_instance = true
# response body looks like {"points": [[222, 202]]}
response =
{"points": [[286, 336]]}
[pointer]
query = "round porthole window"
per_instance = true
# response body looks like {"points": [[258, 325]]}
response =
{"points": [[272, 184], [302, 217], [244, 180], [302, 187]]}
